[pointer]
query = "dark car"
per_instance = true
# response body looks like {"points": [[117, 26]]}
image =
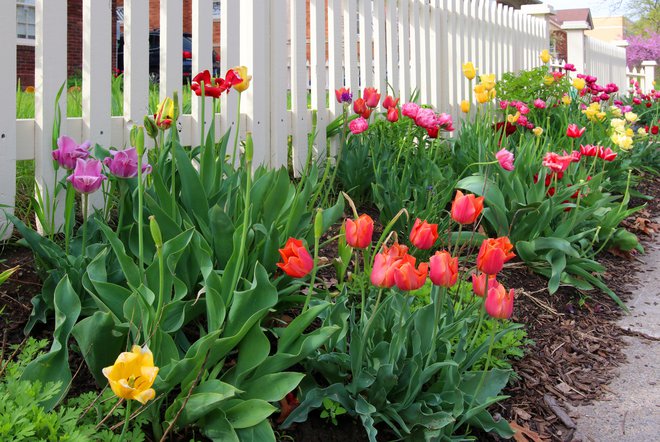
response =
{"points": [[154, 56]]}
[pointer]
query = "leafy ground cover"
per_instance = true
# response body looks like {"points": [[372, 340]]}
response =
{"points": [[389, 292]]}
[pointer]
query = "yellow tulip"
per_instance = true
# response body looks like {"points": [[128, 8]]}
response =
{"points": [[511, 118], [548, 80], [566, 100], [465, 106], [133, 374], [488, 81], [165, 113], [616, 112], [579, 83], [469, 70], [642, 132], [601, 116], [478, 89], [482, 97], [537, 131], [631, 117], [544, 56], [242, 72]]}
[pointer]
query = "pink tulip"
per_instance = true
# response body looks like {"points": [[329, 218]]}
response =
{"points": [[499, 303], [358, 125], [410, 110], [123, 163], [539, 104], [68, 151], [425, 118], [505, 159], [86, 177], [556, 162], [444, 269]]}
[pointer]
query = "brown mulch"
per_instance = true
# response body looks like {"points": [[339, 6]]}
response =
{"points": [[577, 348]]}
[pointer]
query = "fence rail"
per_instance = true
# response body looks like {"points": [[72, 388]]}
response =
{"points": [[408, 44]]}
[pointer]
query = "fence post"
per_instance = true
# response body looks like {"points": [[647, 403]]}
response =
{"points": [[575, 50], [649, 74], [8, 116], [543, 11], [202, 47]]}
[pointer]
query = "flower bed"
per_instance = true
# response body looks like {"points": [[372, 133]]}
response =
{"points": [[203, 293]]}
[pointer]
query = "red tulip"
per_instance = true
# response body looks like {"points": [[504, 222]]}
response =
{"points": [[423, 235], [493, 254], [479, 283], [573, 131], [296, 260], [360, 231], [433, 131], [556, 162], [360, 108], [589, 150], [390, 102], [444, 269], [607, 154], [654, 129], [371, 97], [499, 303], [466, 208], [407, 277], [392, 114]]}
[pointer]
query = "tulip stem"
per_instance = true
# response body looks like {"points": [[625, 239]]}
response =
{"points": [[481, 319], [84, 226], [483, 376], [438, 304], [127, 419], [238, 126], [313, 277], [140, 218], [174, 175]]}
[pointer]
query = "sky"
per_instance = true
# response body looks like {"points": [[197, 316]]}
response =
{"points": [[599, 8]]}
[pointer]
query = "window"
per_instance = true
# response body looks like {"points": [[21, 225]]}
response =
{"points": [[25, 19]]}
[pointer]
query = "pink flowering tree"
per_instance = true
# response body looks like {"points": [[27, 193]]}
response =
{"points": [[643, 48]]}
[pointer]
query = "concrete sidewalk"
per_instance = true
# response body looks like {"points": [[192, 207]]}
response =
{"points": [[631, 413]]}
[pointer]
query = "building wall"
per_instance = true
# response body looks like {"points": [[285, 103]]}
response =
{"points": [[609, 28], [25, 54]]}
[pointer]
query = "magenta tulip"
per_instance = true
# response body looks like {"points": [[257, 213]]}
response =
{"points": [[123, 163], [68, 151], [86, 177]]}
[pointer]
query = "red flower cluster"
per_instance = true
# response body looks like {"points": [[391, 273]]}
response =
{"points": [[214, 87]]}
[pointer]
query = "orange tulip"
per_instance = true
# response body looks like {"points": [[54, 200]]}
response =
{"points": [[499, 303], [493, 254], [360, 231], [444, 269], [296, 260], [423, 235], [382, 274], [406, 276], [466, 208], [479, 283]]}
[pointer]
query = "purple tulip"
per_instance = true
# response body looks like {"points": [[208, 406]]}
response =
{"points": [[68, 151], [124, 163], [86, 177]]}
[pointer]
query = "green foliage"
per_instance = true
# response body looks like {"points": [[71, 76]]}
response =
{"points": [[429, 347], [21, 418], [331, 410], [528, 85]]}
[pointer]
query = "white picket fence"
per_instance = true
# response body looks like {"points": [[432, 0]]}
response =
{"points": [[606, 62], [409, 44], [644, 76]]}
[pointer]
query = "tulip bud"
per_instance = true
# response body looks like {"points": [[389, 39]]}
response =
{"points": [[176, 112], [149, 126], [155, 232], [249, 148], [318, 224], [139, 140]]}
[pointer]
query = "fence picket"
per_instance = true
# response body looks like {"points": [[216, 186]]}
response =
{"points": [[380, 43], [279, 77], [136, 63], [366, 48], [317, 64], [7, 117], [404, 49], [202, 46], [171, 48], [393, 65], [350, 47], [299, 83], [229, 57]]}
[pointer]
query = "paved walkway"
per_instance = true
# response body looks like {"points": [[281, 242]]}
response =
{"points": [[631, 413]]}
